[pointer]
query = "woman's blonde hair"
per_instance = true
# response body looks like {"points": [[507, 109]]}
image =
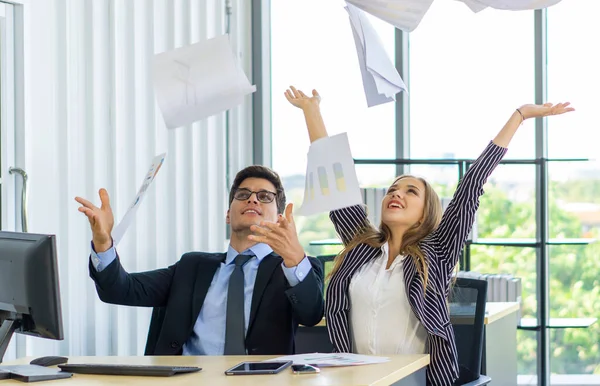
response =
{"points": [[432, 215]]}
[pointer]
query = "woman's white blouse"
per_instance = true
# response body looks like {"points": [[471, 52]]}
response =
{"points": [[381, 319]]}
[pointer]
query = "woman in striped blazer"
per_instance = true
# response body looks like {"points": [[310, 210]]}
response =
{"points": [[389, 286]]}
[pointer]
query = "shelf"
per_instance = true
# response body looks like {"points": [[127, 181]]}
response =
{"points": [[531, 243], [571, 159], [326, 242], [557, 323], [582, 241]]}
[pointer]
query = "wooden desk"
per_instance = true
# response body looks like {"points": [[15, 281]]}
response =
{"points": [[401, 370], [499, 357], [494, 311]]}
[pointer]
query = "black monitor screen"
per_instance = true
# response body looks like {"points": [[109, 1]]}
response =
{"points": [[29, 288]]}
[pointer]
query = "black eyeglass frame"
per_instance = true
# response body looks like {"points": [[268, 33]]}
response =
{"points": [[248, 193]]}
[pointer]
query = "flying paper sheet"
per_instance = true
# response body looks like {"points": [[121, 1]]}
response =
{"points": [[402, 14], [331, 181], [474, 5], [509, 5], [119, 230], [197, 81], [381, 80]]}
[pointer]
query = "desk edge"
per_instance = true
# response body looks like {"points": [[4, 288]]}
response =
{"points": [[511, 308], [404, 372]]}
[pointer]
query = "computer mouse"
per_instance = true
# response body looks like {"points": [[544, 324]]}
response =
{"points": [[49, 361]]}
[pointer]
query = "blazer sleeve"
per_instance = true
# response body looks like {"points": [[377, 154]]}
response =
{"points": [[144, 289], [349, 221], [459, 216], [306, 297]]}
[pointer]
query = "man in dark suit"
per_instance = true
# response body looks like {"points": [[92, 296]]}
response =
{"points": [[247, 300]]}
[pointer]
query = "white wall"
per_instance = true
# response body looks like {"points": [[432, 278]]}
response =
{"points": [[91, 121]]}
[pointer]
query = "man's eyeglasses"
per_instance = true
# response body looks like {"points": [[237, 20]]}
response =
{"points": [[263, 196]]}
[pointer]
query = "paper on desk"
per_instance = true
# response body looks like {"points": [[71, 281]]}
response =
{"points": [[332, 360], [331, 181], [119, 230], [197, 81], [402, 14], [381, 80], [509, 5]]}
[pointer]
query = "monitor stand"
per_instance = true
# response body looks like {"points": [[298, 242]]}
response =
{"points": [[4, 374], [7, 329], [23, 373], [33, 373]]}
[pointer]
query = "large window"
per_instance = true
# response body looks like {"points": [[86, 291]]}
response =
{"points": [[574, 186], [468, 72], [312, 47]]}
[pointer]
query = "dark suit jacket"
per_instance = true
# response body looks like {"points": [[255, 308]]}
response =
{"points": [[177, 294]]}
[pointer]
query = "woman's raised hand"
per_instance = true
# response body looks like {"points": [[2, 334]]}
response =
{"points": [[300, 99], [547, 109]]}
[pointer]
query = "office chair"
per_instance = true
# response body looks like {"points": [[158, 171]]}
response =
{"points": [[467, 313], [327, 262], [326, 258], [315, 339]]}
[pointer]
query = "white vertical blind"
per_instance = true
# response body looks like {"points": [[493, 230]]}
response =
{"points": [[92, 122]]}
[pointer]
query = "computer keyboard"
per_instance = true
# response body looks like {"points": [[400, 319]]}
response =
{"points": [[139, 370]]}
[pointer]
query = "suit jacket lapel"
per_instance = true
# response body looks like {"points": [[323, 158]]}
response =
{"points": [[265, 271], [205, 272]]}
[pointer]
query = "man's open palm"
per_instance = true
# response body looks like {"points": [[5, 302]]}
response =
{"points": [[101, 220]]}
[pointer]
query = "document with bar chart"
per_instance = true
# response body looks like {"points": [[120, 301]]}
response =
{"points": [[331, 181]]}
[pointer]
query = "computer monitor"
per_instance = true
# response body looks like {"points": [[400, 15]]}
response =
{"points": [[29, 290]]}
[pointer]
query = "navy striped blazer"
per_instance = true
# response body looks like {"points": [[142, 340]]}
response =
{"points": [[442, 249]]}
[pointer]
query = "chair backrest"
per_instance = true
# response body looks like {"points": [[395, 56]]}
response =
{"points": [[327, 262], [467, 314]]}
